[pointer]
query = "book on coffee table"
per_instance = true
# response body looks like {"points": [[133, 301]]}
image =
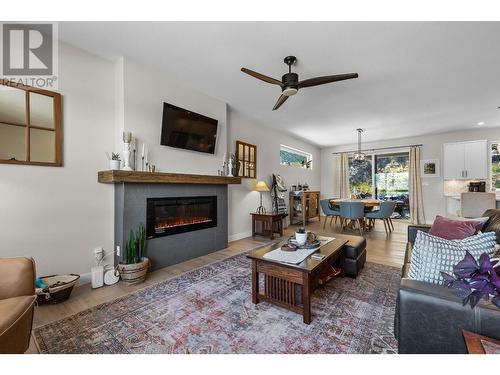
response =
{"points": [[298, 256]]}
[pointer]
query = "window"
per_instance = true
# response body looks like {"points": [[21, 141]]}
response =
{"points": [[360, 177], [391, 176], [385, 177], [495, 166], [295, 158]]}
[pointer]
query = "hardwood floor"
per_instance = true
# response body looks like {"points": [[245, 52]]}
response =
{"points": [[382, 249]]}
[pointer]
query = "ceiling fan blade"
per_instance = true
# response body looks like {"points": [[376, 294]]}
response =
{"points": [[326, 79], [262, 77], [280, 101]]}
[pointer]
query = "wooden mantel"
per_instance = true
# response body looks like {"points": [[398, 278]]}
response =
{"points": [[111, 177]]}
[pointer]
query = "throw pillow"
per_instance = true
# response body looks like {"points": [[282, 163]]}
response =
{"points": [[431, 254], [454, 229]]}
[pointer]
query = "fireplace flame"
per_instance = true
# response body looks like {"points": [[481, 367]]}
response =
{"points": [[162, 224]]}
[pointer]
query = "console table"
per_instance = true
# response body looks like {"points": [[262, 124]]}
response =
{"points": [[304, 206]]}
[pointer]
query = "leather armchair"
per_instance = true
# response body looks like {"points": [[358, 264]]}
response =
{"points": [[430, 318], [17, 301]]}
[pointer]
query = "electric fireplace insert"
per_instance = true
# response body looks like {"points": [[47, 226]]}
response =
{"points": [[167, 216]]}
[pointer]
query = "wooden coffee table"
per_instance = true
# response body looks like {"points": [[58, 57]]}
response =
{"points": [[291, 285], [473, 342]]}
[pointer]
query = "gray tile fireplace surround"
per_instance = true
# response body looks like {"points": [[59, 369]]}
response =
{"points": [[130, 211]]}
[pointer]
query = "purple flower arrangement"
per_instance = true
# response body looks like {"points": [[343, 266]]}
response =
{"points": [[475, 280]]}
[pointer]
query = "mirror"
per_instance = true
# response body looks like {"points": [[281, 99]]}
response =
{"points": [[30, 125], [247, 155]]}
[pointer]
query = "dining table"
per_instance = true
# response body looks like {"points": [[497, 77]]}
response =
{"points": [[369, 202]]}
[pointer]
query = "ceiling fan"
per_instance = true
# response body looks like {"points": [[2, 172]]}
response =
{"points": [[290, 83]]}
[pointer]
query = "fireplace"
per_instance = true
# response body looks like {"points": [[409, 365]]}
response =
{"points": [[167, 216]]}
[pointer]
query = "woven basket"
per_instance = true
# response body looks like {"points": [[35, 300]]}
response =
{"points": [[59, 288], [134, 273]]}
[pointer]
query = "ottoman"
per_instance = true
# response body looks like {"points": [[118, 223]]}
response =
{"points": [[355, 254]]}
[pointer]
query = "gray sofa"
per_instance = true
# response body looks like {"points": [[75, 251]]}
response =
{"points": [[430, 318]]}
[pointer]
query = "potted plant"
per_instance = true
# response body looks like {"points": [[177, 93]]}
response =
{"points": [[135, 265], [114, 162], [475, 280]]}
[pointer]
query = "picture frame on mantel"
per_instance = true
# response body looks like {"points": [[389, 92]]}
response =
{"points": [[429, 168]]}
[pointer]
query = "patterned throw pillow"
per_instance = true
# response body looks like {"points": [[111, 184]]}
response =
{"points": [[431, 254]]}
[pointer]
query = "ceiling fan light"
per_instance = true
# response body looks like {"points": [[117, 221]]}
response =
{"points": [[289, 91]]}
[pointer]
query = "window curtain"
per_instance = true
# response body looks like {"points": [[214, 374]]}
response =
{"points": [[344, 190], [415, 186]]}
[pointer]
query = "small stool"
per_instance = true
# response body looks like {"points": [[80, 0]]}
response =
{"points": [[271, 224]]}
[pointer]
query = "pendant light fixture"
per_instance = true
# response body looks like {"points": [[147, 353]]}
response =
{"points": [[359, 157]]}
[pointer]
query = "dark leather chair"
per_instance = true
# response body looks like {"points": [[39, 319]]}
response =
{"points": [[430, 318], [17, 300]]}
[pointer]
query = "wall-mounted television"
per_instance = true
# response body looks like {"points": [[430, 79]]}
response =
{"points": [[188, 130]]}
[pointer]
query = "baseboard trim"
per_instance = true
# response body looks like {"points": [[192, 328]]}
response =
{"points": [[239, 236]]}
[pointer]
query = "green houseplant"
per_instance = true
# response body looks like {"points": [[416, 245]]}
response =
{"points": [[134, 267]]}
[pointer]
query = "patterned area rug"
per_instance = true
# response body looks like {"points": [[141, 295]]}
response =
{"points": [[209, 310]]}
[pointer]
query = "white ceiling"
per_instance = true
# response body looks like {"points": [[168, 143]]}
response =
{"points": [[414, 77]]}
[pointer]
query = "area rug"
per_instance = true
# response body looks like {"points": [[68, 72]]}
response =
{"points": [[209, 310]]}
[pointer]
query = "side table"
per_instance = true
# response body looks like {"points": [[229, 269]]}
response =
{"points": [[270, 224]]}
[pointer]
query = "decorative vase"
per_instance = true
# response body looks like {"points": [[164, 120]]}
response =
{"points": [[114, 165], [134, 273], [126, 157], [97, 279], [230, 168]]}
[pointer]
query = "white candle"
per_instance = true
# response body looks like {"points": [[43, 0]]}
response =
{"points": [[143, 149], [146, 156]]}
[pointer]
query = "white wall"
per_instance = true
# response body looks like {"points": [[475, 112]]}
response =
{"points": [[144, 93], [58, 215], [242, 200], [432, 187]]}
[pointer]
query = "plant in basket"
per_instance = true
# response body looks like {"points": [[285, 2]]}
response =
{"points": [[474, 280], [135, 264]]}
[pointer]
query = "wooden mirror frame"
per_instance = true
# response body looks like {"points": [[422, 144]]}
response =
{"points": [[57, 116], [243, 161]]}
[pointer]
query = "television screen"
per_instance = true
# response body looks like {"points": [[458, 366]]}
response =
{"points": [[188, 130]]}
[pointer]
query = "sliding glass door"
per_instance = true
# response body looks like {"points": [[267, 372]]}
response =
{"points": [[384, 177], [391, 181], [360, 178]]}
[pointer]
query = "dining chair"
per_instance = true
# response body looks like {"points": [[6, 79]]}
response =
{"points": [[328, 211], [384, 213], [353, 211]]}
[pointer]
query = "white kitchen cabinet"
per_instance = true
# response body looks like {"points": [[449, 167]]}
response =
{"points": [[476, 160], [466, 160], [454, 154]]}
